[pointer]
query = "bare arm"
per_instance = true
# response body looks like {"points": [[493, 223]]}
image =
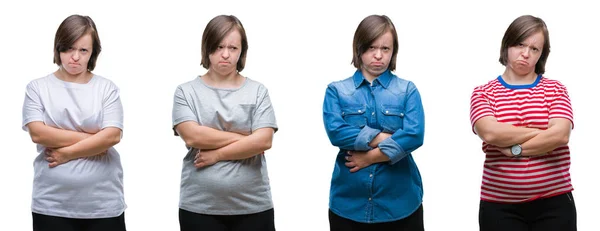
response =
{"points": [[202, 137], [52, 137], [249, 146], [501, 134], [94, 145], [557, 134]]}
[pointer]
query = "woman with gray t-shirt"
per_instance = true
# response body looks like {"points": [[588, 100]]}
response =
{"points": [[75, 117], [227, 122]]}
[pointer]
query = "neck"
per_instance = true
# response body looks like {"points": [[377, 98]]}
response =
{"points": [[230, 80], [513, 78], [83, 77]]}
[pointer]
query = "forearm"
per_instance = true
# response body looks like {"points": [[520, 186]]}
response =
{"points": [[52, 137], [249, 146], [202, 137], [546, 141], [502, 134], [377, 156], [95, 144]]}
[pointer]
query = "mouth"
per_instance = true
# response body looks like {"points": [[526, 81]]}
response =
{"points": [[522, 62], [377, 64]]}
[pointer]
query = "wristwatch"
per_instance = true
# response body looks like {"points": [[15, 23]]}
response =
{"points": [[516, 150]]}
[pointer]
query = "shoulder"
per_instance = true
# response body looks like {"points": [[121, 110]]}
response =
{"points": [[488, 87], [39, 82], [105, 82], [552, 84], [189, 85], [344, 85], [402, 83]]}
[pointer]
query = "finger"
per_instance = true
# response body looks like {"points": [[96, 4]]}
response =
{"points": [[347, 158], [355, 169], [53, 164], [350, 164], [350, 153], [199, 165], [49, 159]]}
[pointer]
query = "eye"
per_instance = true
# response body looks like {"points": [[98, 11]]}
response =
{"points": [[386, 49], [219, 47], [372, 48], [83, 50], [536, 49], [233, 48]]}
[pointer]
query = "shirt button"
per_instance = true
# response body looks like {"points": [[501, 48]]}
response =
{"points": [[401, 114], [386, 112], [359, 111], [369, 198], [372, 113], [371, 175]]}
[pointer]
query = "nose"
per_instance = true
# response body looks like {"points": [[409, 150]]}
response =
{"points": [[75, 56], [378, 53], [225, 53], [525, 52]]}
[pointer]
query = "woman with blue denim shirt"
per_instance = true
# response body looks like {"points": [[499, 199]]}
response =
{"points": [[377, 120]]}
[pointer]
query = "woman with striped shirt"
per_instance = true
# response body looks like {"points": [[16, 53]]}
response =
{"points": [[524, 120]]}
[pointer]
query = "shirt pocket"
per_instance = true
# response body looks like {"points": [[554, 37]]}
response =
{"points": [[355, 115], [393, 117], [241, 119]]}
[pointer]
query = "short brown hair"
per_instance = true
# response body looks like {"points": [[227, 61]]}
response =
{"points": [[69, 31], [518, 31], [369, 29], [214, 33]]}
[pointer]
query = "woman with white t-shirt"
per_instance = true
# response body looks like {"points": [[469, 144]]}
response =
{"points": [[75, 117]]}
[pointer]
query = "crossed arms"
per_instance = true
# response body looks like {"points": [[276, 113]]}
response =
{"points": [[533, 141], [216, 145], [65, 145]]}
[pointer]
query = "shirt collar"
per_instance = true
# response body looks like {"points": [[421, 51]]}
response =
{"points": [[384, 79]]}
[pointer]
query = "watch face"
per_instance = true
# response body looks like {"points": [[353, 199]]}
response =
{"points": [[516, 150]]}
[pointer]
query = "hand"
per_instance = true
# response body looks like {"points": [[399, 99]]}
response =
{"points": [[57, 156], [358, 160], [206, 158], [380, 137]]}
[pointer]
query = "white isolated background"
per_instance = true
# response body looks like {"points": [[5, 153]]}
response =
{"points": [[296, 49]]}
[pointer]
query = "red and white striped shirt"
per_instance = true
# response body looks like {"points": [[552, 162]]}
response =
{"points": [[515, 180]]}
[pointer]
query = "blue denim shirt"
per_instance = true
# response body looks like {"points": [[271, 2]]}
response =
{"points": [[354, 112]]}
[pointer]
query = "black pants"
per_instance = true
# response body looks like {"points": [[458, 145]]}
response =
{"points": [[263, 221], [51, 223], [414, 222], [548, 214]]}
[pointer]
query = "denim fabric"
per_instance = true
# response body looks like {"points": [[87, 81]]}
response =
{"points": [[354, 112]]}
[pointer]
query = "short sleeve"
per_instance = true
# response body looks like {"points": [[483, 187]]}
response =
{"points": [[560, 104], [264, 115], [480, 106], [182, 110], [112, 109], [33, 110]]}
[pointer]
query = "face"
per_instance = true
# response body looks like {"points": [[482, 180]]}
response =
{"points": [[523, 57], [75, 59], [224, 60], [377, 58]]}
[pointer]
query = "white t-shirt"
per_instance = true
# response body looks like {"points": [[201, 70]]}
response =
{"points": [[90, 187]]}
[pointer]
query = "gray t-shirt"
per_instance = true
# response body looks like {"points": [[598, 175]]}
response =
{"points": [[228, 187], [90, 187]]}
